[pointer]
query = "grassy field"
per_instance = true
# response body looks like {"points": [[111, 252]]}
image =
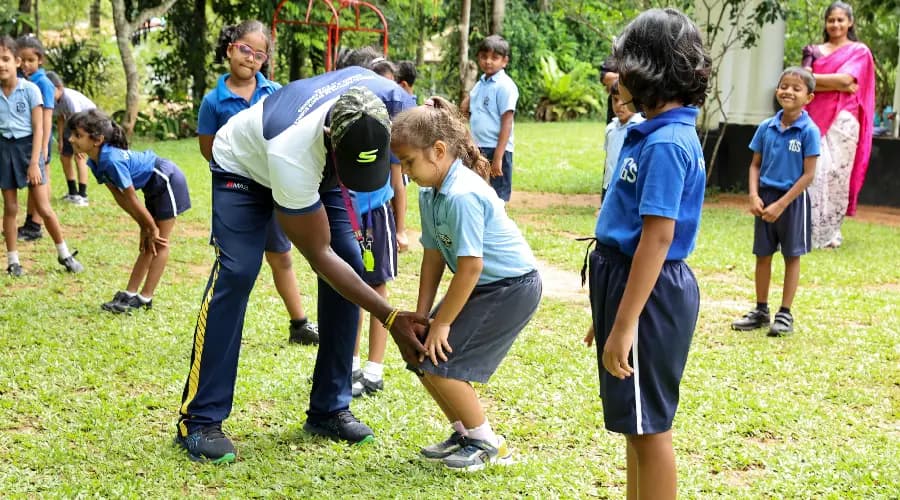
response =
{"points": [[88, 400]]}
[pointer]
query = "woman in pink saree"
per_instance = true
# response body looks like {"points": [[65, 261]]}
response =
{"points": [[843, 109]]}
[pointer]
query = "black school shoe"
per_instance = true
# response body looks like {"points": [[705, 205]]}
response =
{"points": [[307, 334], [342, 426], [208, 444], [754, 319], [782, 326]]}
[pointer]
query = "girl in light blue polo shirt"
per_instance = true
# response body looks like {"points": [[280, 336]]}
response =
{"points": [[21, 165], [247, 48], [495, 288]]}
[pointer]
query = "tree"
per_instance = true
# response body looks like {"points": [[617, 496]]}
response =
{"points": [[124, 32], [497, 13], [464, 47]]}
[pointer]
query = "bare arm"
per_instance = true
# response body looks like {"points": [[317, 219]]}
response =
{"points": [[131, 204], [206, 143], [756, 203], [48, 129], [60, 127], [398, 202], [464, 106], [464, 280], [429, 278], [841, 82], [656, 238], [310, 233], [37, 145], [506, 124]]}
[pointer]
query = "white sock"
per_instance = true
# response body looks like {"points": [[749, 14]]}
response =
{"points": [[484, 433], [130, 294], [144, 299], [12, 257], [460, 428], [63, 250], [373, 371], [356, 363]]}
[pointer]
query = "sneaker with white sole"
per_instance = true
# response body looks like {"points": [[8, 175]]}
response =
{"points": [[71, 265], [439, 451], [477, 454], [364, 387]]}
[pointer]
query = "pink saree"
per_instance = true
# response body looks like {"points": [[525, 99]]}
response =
{"points": [[853, 59]]}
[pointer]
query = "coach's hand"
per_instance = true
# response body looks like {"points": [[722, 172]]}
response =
{"points": [[407, 330]]}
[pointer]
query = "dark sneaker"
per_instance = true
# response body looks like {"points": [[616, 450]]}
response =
{"points": [[71, 265], [366, 386], [131, 304], [208, 444], [308, 334], [754, 319], [477, 454], [782, 326], [342, 426], [356, 376], [112, 305], [15, 270], [445, 448], [30, 232]]}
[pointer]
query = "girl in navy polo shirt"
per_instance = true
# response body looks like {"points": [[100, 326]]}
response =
{"points": [[644, 298], [124, 172], [495, 288], [246, 47]]}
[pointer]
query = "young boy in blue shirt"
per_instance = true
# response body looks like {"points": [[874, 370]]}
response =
{"points": [[644, 297], [785, 148], [491, 106]]}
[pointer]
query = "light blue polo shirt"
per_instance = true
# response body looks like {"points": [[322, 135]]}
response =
{"points": [[783, 151], [15, 109], [488, 100], [465, 218], [122, 167], [220, 103], [661, 172], [48, 90]]}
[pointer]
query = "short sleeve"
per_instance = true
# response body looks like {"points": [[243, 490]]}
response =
{"points": [[809, 56], [507, 96], [47, 93], [756, 144], [811, 143], [662, 168], [427, 239], [34, 96], [466, 216], [207, 121], [115, 171]]}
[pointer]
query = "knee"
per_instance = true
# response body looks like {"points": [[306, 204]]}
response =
{"points": [[10, 208], [280, 261]]}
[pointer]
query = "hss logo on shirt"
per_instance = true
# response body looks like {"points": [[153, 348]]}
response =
{"points": [[629, 170]]}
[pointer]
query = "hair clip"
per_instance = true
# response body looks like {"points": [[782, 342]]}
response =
{"points": [[429, 102], [377, 60]]}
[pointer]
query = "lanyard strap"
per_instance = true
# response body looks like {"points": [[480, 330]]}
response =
{"points": [[348, 204]]}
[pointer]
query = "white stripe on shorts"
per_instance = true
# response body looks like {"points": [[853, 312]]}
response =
{"points": [[168, 189], [638, 411], [390, 236]]}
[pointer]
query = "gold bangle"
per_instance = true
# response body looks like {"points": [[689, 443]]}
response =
{"points": [[389, 322]]}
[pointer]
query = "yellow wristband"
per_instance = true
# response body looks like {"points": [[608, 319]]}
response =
{"points": [[389, 322]]}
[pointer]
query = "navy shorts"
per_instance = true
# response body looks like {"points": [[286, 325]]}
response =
{"points": [[486, 327], [276, 240], [166, 192], [380, 231], [645, 402], [15, 155], [792, 232], [503, 184]]}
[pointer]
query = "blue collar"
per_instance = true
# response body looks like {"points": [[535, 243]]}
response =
{"points": [[450, 178], [37, 75], [686, 115], [798, 124], [223, 93]]}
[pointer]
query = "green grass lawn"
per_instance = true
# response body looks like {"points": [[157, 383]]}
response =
{"points": [[88, 400]]}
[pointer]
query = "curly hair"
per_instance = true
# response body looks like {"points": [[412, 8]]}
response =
{"points": [[660, 58], [233, 33], [98, 124], [438, 119]]}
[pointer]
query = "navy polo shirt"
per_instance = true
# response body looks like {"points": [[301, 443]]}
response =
{"points": [[221, 103], [661, 172], [783, 151], [123, 168]]}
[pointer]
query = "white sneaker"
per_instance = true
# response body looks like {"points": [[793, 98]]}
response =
{"points": [[79, 201]]}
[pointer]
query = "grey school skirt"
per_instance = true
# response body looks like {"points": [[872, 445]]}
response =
{"points": [[486, 327]]}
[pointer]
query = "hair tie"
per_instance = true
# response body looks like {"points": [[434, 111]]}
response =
{"points": [[377, 60], [429, 102]]}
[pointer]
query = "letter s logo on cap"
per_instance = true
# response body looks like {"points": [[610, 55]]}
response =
{"points": [[367, 156]]}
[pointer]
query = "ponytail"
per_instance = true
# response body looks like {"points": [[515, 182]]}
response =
{"points": [[97, 124], [439, 119]]}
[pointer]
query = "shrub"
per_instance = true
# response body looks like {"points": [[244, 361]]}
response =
{"points": [[566, 96]]}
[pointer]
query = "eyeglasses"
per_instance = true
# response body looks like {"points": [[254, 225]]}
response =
{"points": [[246, 50]]}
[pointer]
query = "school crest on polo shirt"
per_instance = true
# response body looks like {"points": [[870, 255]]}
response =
{"points": [[445, 239], [21, 107]]}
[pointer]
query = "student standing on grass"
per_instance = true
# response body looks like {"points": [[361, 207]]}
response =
{"points": [[785, 150], [69, 102], [405, 76], [246, 46], [283, 157], [644, 297], [124, 172], [616, 130], [21, 163], [31, 52], [495, 288], [491, 107]]}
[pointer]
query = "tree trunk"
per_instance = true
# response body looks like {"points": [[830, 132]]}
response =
{"points": [[198, 53], [95, 15], [124, 30], [24, 7], [498, 12], [464, 47]]}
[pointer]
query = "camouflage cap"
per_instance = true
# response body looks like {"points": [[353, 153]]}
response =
{"points": [[351, 106]]}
